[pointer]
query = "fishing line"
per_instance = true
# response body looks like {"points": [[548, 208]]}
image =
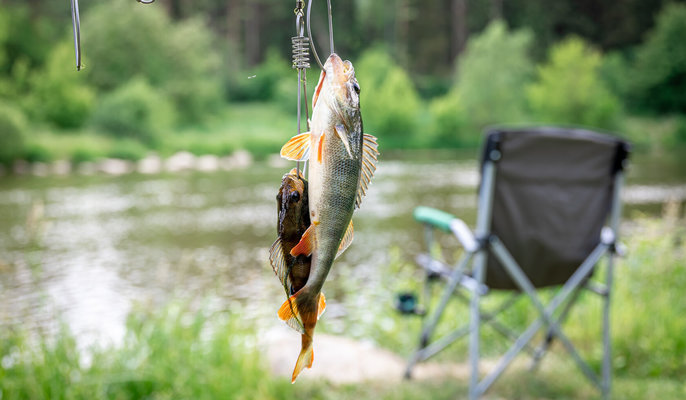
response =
{"points": [[76, 24], [309, 31]]}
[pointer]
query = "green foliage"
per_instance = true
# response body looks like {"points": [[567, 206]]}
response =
{"points": [[12, 132], [135, 110], [569, 89], [449, 122], [128, 149], [389, 102], [60, 95], [178, 59], [649, 329], [172, 354], [262, 82], [492, 75], [658, 82]]}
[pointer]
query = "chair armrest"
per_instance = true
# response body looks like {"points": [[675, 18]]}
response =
{"points": [[448, 223], [437, 218]]}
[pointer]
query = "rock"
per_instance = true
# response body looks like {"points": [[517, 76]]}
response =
{"points": [[114, 166], [276, 161], [39, 169], [207, 163], [242, 158], [61, 167], [180, 161], [87, 168], [151, 164], [21, 167]]}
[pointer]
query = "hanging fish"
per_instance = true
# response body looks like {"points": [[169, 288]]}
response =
{"points": [[342, 163], [293, 219]]}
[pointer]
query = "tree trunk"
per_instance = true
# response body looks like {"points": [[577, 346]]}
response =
{"points": [[252, 33], [459, 27]]}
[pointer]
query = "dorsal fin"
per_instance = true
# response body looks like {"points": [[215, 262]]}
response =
{"points": [[370, 155], [347, 239]]}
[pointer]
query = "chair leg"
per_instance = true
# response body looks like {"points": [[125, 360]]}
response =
{"points": [[475, 322], [607, 353], [542, 349]]}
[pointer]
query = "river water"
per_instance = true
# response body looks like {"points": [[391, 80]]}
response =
{"points": [[82, 250]]}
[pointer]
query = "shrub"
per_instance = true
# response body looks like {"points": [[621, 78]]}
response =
{"points": [[128, 149], [135, 110], [176, 58], [261, 83], [12, 131], [388, 100], [658, 82], [569, 89], [492, 75], [60, 94], [449, 123]]}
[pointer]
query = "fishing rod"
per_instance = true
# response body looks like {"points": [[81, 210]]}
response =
{"points": [[76, 24]]}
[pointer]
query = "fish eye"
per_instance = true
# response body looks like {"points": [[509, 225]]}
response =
{"points": [[295, 196], [356, 87]]}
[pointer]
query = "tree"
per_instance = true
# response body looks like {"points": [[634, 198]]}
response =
{"points": [[569, 89]]}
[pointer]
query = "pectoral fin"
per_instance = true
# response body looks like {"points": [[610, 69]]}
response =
{"points": [[340, 130], [306, 243], [297, 148], [370, 155]]}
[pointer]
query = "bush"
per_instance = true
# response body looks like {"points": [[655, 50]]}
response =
{"points": [[449, 123], [60, 94], [135, 110], [128, 149], [658, 82], [176, 58], [261, 83], [389, 101], [569, 89], [12, 131], [492, 75]]}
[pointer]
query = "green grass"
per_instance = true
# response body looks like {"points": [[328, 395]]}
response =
{"points": [[260, 128], [184, 353]]}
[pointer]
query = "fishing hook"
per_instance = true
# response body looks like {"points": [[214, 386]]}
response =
{"points": [[146, 1], [76, 23], [309, 31]]}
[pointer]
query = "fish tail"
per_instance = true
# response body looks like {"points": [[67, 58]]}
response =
{"points": [[305, 358]]}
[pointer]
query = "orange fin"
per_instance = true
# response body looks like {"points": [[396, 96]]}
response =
{"points": [[320, 148], [306, 243], [320, 84], [305, 360], [321, 306], [347, 239], [288, 312], [297, 148]]}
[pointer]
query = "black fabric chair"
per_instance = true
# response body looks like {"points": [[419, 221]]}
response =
{"points": [[548, 211]]}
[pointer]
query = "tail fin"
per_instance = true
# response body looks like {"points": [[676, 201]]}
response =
{"points": [[305, 360]]}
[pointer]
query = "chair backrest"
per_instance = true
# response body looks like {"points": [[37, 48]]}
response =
{"points": [[552, 195]]}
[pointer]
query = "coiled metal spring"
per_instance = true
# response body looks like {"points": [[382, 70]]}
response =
{"points": [[301, 51]]}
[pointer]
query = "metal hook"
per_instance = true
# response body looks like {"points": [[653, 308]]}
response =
{"points": [[146, 1], [76, 23]]}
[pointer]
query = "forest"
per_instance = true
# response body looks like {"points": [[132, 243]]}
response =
{"points": [[181, 75]]}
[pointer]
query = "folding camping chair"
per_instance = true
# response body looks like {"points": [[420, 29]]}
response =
{"points": [[544, 198]]}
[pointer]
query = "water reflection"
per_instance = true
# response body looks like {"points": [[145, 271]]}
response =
{"points": [[83, 249]]}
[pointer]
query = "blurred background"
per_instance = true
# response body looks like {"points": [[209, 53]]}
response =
{"points": [[137, 196]]}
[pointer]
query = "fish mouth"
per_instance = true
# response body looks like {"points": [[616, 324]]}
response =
{"points": [[339, 73]]}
